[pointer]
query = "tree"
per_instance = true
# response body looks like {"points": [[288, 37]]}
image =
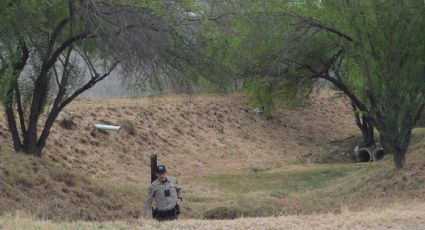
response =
{"points": [[372, 51], [48, 48], [387, 57], [380, 60], [278, 55]]}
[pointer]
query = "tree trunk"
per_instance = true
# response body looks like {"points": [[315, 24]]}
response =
{"points": [[398, 151], [367, 132], [399, 156], [10, 116], [30, 146], [8, 101], [399, 159], [33, 150], [17, 143], [365, 125], [47, 126]]}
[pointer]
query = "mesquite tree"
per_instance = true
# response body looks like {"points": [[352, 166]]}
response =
{"points": [[371, 50], [382, 62], [279, 55], [52, 51]]}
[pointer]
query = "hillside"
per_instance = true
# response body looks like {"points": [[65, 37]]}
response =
{"points": [[203, 134], [231, 162]]}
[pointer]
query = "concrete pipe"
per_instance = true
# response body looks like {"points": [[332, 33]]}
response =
{"points": [[364, 155], [378, 154]]}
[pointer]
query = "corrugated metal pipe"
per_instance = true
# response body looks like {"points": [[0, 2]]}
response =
{"points": [[378, 154], [369, 154], [364, 154]]}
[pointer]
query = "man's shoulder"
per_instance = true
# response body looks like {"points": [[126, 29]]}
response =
{"points": [[172, 179], [155, 182]]}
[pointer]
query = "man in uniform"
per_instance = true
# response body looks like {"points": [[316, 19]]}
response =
{"points": [[167, 194]]}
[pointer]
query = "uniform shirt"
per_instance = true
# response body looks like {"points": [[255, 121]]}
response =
{"points": [[165, 194]]}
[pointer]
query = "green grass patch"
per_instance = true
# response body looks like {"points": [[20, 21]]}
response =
{"points": [[418, 135], [273, 192], [311, 178], [305, 189]]}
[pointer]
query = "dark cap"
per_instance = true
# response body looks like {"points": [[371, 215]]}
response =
{"points": [[160, 169]]}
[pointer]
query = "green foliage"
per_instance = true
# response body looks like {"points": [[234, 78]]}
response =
{"points": [[371, 50], [5, 81], [249, 37], [388, 64], [58, 49]]}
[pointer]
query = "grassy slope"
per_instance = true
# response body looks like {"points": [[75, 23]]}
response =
{"points": [[349, 196], [50, 190], [205, 134], [307, 189], [247, 170]]}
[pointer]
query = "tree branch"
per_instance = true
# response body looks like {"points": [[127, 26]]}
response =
{"points": [[87, 86], [20, 109], [8, 103], [70, 41], [318, 24], [56, 32]]}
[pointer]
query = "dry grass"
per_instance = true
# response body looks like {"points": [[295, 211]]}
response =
{"points": [[306, 189], [407, 216], [230, 162], [202, 133], [50, 190]]}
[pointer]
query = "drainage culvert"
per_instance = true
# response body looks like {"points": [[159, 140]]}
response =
{"points": [[378, 154], [364, 155]]}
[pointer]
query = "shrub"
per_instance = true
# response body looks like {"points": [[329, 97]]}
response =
{"points": [[129, 127], [68, 122]]}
